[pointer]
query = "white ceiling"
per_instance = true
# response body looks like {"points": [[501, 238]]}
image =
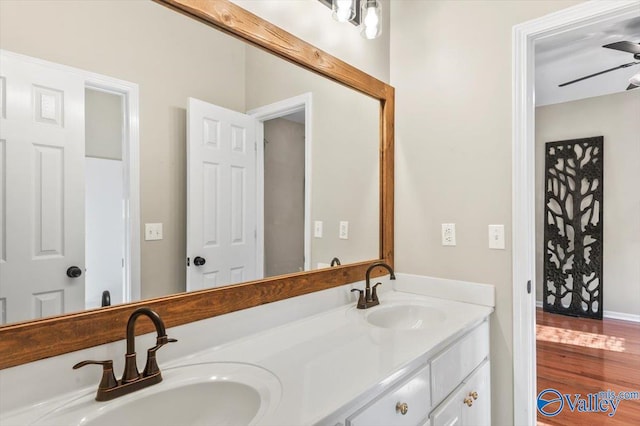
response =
{"points": [[578, 53]]}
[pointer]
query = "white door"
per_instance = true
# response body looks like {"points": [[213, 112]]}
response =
{"points": [[221, 196], [42, 189]]}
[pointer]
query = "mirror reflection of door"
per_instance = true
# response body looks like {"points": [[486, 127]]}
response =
{"points": [[284, 194], [63, 189], [247, 200], [221, 196]]}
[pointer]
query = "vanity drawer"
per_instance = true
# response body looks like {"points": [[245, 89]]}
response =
{"points": [[414, 392], [454, 364]]}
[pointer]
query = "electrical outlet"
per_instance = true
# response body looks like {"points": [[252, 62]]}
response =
{"points": [[152, 231], [343, 233], [317, 229], [448, 234], [496, 237]]}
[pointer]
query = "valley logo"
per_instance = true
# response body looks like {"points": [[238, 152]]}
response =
{"points": [[551, 402]]}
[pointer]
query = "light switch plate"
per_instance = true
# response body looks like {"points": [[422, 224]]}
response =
{"points": [[448, 234], [343, 233], [152, 231], [317, 229], [496, 237]]}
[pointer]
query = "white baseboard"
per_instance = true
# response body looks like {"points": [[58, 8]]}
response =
{"points": [[609, 314]]}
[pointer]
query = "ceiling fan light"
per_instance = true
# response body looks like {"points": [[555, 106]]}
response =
{"points": [[635, 79]]}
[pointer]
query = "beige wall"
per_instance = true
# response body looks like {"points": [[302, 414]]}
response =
{"points": [[451, 66], [345, 150], [617, 118], [170, 57], [104, 121], [283, 197]]}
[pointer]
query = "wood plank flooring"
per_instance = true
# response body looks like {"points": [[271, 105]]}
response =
{"points": [[585, 356]]}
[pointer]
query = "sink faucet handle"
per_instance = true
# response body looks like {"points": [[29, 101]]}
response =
{"points": [[374, 293], [151, 367], [108, 378], [362, 304]]}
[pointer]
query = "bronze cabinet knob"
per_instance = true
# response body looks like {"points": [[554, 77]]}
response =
{"points": [[402, 408], [468, 401], [473, 395]]}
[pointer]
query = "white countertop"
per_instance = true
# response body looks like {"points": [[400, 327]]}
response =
{"points": [[324, 362], [332, 358]]}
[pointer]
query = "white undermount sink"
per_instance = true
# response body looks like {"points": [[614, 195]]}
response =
{"points": [[405, 316], [197, 394]]}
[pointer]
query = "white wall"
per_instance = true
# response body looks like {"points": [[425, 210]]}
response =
{"points": [[451, 66], [617, 118]]}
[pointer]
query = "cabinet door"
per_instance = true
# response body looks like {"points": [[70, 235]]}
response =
{"points": [[449, 413], [477, 389], [469, 404]]}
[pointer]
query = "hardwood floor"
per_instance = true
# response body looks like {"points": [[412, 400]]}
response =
{"points": [[585, 356]]}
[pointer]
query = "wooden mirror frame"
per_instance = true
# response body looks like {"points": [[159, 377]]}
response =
{"points": [[25, 342]]}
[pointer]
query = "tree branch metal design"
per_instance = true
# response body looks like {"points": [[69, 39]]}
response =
{"points": [[573, 227]]}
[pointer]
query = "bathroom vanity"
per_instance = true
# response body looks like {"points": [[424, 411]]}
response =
{"points": [[415, 359]]}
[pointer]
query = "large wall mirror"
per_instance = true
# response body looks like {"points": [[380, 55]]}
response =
{"points": [[163, 162]]}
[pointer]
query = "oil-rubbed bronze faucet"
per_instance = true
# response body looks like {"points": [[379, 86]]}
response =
{"points": [[369, 296], [110, 388]]}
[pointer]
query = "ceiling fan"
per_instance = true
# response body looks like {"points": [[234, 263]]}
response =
{"points": [[625, 46]]}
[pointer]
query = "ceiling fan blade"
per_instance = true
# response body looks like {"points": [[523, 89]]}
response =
{"points": [[625, 46], [632, 86], [598, 73]]}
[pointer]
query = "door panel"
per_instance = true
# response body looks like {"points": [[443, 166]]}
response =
{"points": [[221, 196], [42, 185]]}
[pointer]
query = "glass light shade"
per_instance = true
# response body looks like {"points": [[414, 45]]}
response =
{"points": [[343, 10], [635, 79], [371, 26]]}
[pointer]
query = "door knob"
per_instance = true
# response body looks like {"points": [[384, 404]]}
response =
{"points": [[199, 261], [74, 272]]}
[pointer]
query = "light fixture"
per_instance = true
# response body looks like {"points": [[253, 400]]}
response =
{"points": [[371, 13], [635, 79], [343, 10]]}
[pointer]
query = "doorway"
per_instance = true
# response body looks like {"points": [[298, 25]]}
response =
{"points": [[524, 37], [45, 168], [284, 195], [104, 198], [293, 110]]}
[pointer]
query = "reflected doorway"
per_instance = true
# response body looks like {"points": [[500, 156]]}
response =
{"points": [[284, 199], [104, 198]]}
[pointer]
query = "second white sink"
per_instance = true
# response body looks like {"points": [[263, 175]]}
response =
{"points": [[406, 316]]}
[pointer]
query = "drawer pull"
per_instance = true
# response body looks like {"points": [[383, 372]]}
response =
{"points": [[468, 401], [402, 408], [473, 395]]}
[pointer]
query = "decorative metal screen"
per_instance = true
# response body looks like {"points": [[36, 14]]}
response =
{"points": [[573, 227]]}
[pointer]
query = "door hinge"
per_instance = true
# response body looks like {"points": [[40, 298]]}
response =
{"points": [[529, 286], [188, 261]]}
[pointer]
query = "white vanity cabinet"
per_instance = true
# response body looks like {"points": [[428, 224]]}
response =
{"points": [[453, 388]]}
